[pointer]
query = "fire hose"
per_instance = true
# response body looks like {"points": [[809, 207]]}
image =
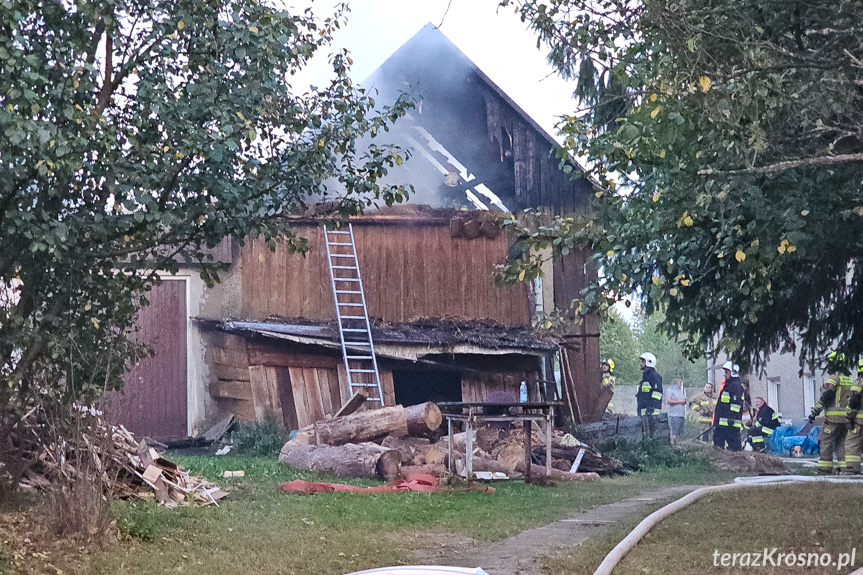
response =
{"points": [[621, 549]]}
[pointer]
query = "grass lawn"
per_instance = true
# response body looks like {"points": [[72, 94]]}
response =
{"points": [[795, 519], [260, 530]]}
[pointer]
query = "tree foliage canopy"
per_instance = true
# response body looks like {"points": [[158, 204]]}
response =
{"points": [[137, 135], [726, 140]]}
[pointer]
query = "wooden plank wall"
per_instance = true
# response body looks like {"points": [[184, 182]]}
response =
{"points": [[408, 271], [478, 386], [230, 365], [571, 275]]}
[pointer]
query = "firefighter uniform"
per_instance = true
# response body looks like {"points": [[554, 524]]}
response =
{"points": [[608, 382], [765, 423], [728, 414], [835, 395], [704, 405], [854, 414], [649, 397]]}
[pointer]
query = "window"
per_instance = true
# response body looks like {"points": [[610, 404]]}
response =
{"points": [[773, 389], [810, 393]]}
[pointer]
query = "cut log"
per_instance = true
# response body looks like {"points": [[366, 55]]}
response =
{"points": [[366, 460], [488, 438], [510, 456], [423, 418], [411, 448], [363, 426]]}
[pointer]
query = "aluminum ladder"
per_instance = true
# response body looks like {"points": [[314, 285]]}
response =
{"points": [[355, 334]]}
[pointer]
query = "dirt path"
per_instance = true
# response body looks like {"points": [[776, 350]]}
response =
{"points": [[523, 553]]}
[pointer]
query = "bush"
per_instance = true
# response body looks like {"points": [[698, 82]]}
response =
{"points": [[650, 455], [263, 439]]}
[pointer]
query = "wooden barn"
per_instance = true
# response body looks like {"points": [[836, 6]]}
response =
{"points": [[264, 343]]}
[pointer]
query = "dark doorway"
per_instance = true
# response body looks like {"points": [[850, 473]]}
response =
{"points": [[418, 386]]}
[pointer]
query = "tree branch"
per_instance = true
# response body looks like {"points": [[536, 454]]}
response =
{"points": [[787, 165]]}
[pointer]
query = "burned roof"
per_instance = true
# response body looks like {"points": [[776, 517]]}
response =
{"points": [[429, 332], [472, 144]]}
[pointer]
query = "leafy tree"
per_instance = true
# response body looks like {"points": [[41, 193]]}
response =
{"points": [[139, 134], [616, 341], [725, 140]]}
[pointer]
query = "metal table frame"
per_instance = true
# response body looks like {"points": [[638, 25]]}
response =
{"points": [[475, 416]]}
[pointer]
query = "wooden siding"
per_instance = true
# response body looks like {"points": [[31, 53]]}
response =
{"points": [[478, 386], [571, 274], [409, 272], [153, 401], [230, 385]]}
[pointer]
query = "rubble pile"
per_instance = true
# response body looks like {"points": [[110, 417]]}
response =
{"points": [[129, 469]]}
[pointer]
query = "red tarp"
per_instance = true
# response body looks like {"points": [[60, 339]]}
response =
{"points": [[413, 482]]}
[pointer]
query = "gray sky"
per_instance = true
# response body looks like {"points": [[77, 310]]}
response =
{"points": [[498, 42]]}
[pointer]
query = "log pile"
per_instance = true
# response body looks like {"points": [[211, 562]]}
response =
{"points": [[128, 469], [371, 444], [388, 442]]}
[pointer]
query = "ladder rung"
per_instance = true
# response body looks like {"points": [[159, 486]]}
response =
{"points": [[342, 256], [350, 344], [378, 399], [341, 244], [337, 232], [346, 279], [363, 371], [354, 317], [348, 291], [344, 268], [352, 304], [358, 357], [354, 329]]}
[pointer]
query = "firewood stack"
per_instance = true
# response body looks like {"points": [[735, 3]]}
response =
{"points": [[388, 442], [129, 469]]}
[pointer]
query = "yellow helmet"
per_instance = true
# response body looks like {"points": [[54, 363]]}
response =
{"points": [[860, 365], [609, 363]]}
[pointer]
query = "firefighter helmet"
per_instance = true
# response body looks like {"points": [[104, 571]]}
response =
{"points": [[649, 359], [609, 363]]}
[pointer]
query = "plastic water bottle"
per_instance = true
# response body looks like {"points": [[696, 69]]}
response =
{"points": [[523, 392]]}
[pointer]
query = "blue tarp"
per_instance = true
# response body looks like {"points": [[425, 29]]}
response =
{"points": [[785, 439]]}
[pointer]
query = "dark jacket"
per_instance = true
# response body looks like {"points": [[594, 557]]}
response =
{"points": [[766, 420], [729, 404], [649, 394]]}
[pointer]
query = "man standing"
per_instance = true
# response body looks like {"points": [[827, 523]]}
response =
{"points": [[835, 395], [608, 381], [704, 404], [727, 418], [649, 395], [675, 398], [766, 421], [854, 439]]}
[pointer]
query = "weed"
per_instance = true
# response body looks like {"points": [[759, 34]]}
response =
{"points": [[263, 439], [144, 521], [652, 455]]}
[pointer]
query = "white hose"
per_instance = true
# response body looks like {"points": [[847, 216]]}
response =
{"points": [[621, 549]]}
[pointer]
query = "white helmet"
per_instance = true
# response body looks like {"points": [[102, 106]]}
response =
{"points": [[649, 359], [729, 366], [735, 371]]}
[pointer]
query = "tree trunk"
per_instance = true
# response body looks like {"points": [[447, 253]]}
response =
{"points": [[540, 470], [423, 418], [362, 426], [366, 460]]}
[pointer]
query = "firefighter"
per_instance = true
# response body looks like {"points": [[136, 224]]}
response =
{"points": [[727, 417], [704, 404], [608, 380], [649, 395], [854, 414], [763, 424], [835, 396]]}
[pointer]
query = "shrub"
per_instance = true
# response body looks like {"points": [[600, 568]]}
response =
{"points": [[262, 439]]}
